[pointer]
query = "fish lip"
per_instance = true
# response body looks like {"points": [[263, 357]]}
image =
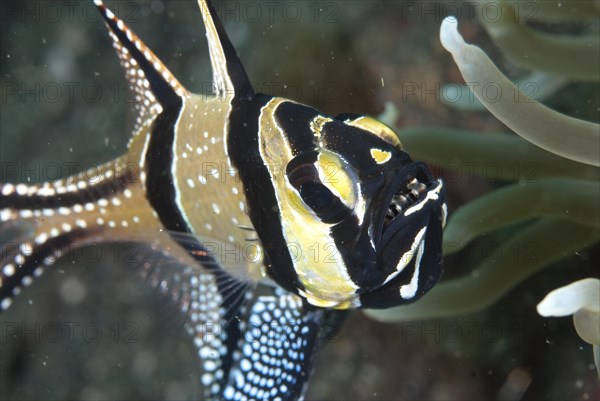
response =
{"points": [[403, 177], [388, 241]]}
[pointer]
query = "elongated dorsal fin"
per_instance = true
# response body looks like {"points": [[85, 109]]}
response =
{"points": [[154, 85], [229, 76]]}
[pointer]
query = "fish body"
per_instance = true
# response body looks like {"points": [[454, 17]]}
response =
{"points": [[241, 173]]}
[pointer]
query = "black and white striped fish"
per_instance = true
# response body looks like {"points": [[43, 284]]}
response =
{"points": [[283, 179]]}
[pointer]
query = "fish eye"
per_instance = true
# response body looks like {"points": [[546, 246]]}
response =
{"points": [[316, 182], [324, 203]]}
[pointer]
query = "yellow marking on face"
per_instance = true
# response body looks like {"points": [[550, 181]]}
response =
{"points": [[377, 128], [333, 174], [380, 156], [316, 125], [325, 303], [295, 201], [317, 262]]}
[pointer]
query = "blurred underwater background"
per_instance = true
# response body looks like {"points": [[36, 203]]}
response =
{"points": [[90, 329]]}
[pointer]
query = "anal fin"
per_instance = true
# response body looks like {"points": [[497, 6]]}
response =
{"points": [[211, 300], [254, 341]]}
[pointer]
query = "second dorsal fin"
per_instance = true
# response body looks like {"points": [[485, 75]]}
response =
{"points": [[229, 76], [154, 85]]}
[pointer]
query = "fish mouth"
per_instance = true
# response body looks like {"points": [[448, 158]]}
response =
{"points": [[413, 186], [410, 217], [406, 196]]}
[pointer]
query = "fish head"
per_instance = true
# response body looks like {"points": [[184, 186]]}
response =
{"points": [[362, 220]]}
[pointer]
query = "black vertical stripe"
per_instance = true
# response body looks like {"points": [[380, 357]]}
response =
{"points": [[294, 120], [161, 193], [243, 145], [160, 184]]}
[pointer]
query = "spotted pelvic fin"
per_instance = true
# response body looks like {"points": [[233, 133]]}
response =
{"points": [[229, 76], [154, 86]]}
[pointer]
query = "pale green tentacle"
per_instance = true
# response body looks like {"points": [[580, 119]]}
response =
{"points": [[570, 199]]}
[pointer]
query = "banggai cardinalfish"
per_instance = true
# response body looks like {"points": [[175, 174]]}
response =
{"points": [[288, 177]]}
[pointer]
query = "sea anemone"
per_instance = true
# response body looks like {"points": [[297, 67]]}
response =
{"points": [[582, 300], [561, 196]]}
